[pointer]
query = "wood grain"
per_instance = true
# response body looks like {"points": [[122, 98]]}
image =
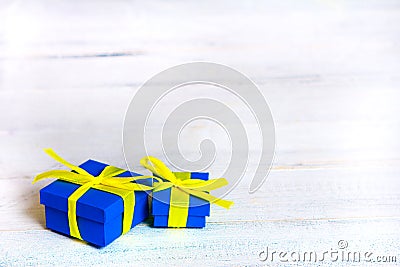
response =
{"points": [[328, 69]]}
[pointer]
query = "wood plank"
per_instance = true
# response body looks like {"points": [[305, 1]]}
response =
{"points": [[39, 119], [219, 244]]}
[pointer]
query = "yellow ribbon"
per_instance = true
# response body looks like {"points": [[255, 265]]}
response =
{"points": [[181, 189], [105, 181]]}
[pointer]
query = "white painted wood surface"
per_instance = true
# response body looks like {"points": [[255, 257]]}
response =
{"points": [[329, 70]]}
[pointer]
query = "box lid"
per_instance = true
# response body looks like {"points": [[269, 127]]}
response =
{"points": [[95, 204]]}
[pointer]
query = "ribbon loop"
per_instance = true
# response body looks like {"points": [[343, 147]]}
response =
{"points": [[158, 167], [56, 157]]}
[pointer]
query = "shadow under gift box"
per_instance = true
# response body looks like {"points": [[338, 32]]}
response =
{"points": [[198, 208], [99, 213]]}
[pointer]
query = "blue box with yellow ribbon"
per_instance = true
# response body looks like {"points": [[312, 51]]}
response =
{"points": [[182, 199], [197, 211], [98, 208]]}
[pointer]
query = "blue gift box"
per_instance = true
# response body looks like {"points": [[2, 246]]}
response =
{"points": [[198, 208], [99, 213]]}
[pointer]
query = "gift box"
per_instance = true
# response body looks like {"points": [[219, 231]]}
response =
{"points": [[99, 214], [182, 199], [198, 208]]}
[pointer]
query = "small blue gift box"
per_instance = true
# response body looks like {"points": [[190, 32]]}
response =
{"points": [[198, 208], [99, 213]]}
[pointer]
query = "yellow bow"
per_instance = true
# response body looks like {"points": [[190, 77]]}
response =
{"points": [[182, 189], [105, 181]]}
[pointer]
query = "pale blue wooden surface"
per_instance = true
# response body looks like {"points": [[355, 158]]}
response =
{"points": [[329, 70]]}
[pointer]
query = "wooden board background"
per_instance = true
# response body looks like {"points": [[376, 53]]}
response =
{"points": [[328, 69]]}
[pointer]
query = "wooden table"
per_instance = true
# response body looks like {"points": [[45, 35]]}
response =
{"points": [[328, 69]]}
